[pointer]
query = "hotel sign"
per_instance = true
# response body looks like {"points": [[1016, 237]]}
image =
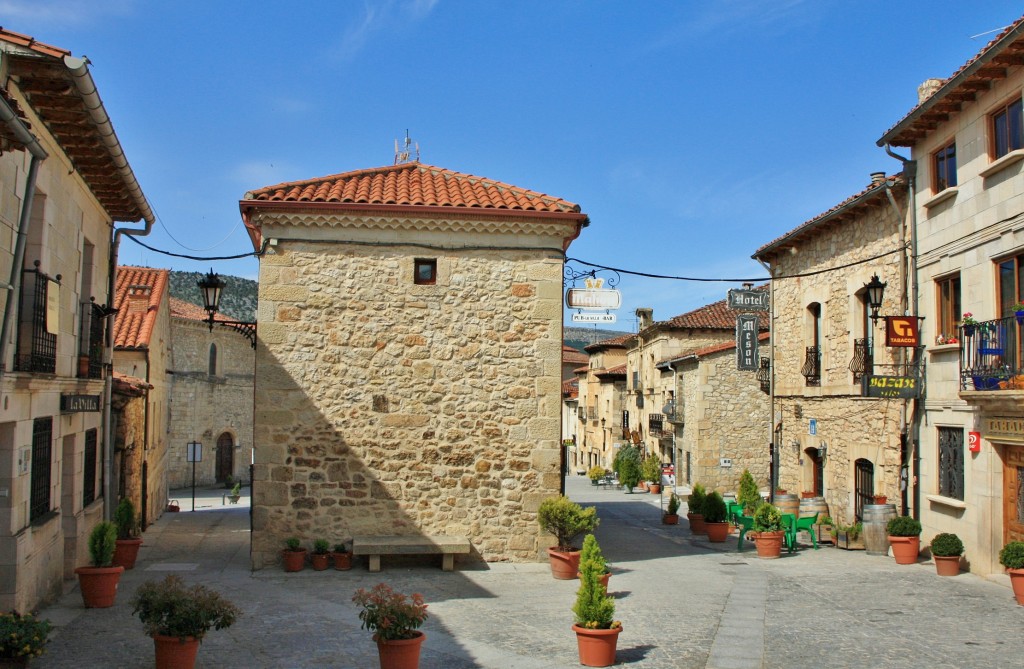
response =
{"points": [[1003, 429], [749, 300], [746, 342], [901, 331], [593, 296], [79, 403]]}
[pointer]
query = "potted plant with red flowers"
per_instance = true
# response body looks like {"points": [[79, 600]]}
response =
{"points": [[179, 616], [597, 633], [395, 620], [566, 520]]}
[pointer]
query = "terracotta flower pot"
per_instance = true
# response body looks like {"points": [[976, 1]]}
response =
{"points": [[596, 647], [320, 561], [654, 488], [400, 653], [342, 561], [717, 532], [294, 560], [564, 564], [947, 565], [174, 652], [905, 549], [1017, 583], [126, 551], [769, 544], [670, 519], [881, 499], [99, 585], [696, 523]]}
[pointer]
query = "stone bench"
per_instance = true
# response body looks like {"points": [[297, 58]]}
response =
{"points": [[374, 547]]}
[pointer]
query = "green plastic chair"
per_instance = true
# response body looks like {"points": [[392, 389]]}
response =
{"points": [[807, 524], [746, 524], [789, 525]]}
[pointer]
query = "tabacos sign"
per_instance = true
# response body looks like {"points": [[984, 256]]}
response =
{"points": [[593, 296], [901, 331]]}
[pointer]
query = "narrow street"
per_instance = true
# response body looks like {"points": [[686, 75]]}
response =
{"points": [[683, 603]]}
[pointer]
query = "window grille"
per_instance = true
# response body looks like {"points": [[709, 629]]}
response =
{"points": [[812, 366], [89, 483], [951, 462], [37, 348], [42, 440]]}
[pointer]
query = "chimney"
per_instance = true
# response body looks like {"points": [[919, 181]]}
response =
{"points": [[928, 88], [138, 299], [645, 316], [877, 178]]}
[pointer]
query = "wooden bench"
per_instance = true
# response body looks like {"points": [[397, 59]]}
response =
{"points": [[374, 547]]}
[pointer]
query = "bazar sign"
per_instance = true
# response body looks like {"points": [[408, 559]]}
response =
{"points": [[902, 387], [901, 331], [749, 300]]}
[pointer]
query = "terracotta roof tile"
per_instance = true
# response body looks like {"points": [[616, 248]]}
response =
{"points": [[137, 295], [412, 184], [30, 43], [960, 87], [618, 370], [571, 356], [714, 316], [571, 388], [614, 342]]}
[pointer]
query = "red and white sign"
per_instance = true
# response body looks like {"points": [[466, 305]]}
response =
{"points": [[974, 441]]}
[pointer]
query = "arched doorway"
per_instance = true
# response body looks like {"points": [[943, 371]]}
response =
{"points": [[864, 491], [225, 457]]}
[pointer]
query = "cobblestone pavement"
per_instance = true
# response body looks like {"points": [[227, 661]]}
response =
{"points": [[683, 602]]}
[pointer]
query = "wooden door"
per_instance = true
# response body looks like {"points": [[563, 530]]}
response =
{"points": [[1013, 494], [225, 457]]}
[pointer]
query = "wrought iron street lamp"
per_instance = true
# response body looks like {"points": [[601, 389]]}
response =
{"points": [[211, 287], [876, 289]]}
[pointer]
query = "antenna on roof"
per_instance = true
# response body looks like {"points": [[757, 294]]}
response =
{"points": [[405, 154]]}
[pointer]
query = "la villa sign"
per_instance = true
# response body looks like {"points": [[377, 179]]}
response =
{"points": [[593, 298]]}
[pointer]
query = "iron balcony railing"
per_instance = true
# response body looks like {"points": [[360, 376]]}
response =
{"points": [[90, 343], [656, 424], [990, 355], [37, 332], [862, 362], [812, 366], [764, 375]]}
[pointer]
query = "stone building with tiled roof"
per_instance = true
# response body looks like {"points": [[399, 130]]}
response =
{"points": [[142, 343], [602, 387], [409, 360], [966, 138], [65, 182], [211, 398]]}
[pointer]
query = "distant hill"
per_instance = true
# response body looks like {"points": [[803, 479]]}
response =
{"points": [[580, 337], [238, 301]]}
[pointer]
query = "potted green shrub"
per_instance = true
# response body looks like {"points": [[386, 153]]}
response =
{"points": [[178, 616], [321, 554], [597, 632], [748, 496], [98, 582], [342, 556], [627, 467], [566, 520], [905, 538], [294, 555], [671, 515], [591, 551], [651, 472], [715, 518], [946, 551], [236, 493], [1012, 558], [126, 547], [595, 474], [394, 619], [22, 637], [695, 509], [768, 531]]}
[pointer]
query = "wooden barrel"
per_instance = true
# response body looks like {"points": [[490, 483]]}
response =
{"points": [[876, 537], [813, 505], [788, 503]]}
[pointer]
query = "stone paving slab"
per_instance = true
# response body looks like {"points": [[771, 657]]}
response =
{"points": [[684, 603]]}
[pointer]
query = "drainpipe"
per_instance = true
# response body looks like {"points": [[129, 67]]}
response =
{"points": [[78, 68], [772, 484], [38, 154], [912, 459]]}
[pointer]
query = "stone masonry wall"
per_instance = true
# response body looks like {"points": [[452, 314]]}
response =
{"points": [[386, 407]]}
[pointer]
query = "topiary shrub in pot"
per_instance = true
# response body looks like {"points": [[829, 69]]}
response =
{"points": [[566, 520], [321, 556], [748, 496], [294, 555], [1012, 557], [768, 532], [126, 548], [342, 556], [595, 474], [946, 551], [905, 538], [597, 632], [671, 515], [98, 582], [695, 509], [591, 551], [715, 518]]}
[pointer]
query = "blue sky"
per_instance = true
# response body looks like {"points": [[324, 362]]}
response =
{"points": [[691, 132]]}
